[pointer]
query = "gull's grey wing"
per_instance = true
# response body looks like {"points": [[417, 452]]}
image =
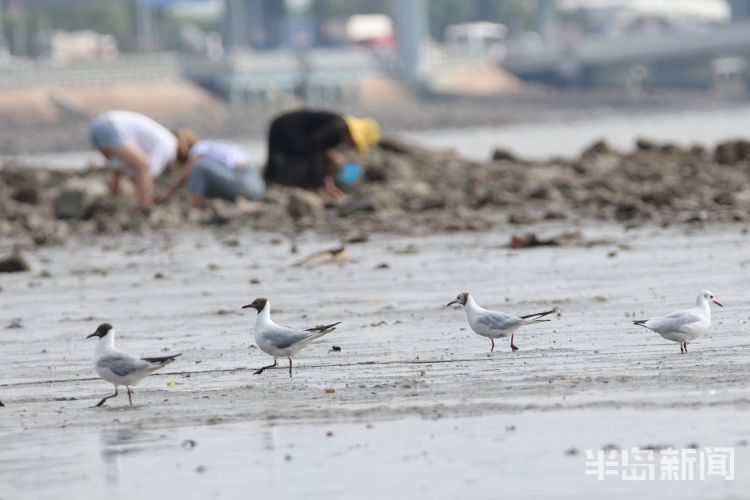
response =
{"points": [[284, 337], [497, 320], [673, 322], [121, 364]]}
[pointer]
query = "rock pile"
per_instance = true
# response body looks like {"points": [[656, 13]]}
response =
{"points": [[408, 188]]}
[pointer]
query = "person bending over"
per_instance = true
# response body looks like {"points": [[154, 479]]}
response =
{"points": [[302, 148], [138, 147], [217, 169]]}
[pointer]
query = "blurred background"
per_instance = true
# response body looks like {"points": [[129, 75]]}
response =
{"points": [[224, 67]]}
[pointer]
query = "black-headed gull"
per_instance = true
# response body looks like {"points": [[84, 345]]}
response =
{"points": [[685, 325], [280, 341], [121, 368], [492, 324]]}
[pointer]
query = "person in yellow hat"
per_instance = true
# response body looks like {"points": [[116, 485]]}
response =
{"points": [[303, 150]]}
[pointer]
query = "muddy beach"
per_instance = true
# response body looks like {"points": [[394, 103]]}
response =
{"points": [[403, 400], [412, 404], [410, 189]]}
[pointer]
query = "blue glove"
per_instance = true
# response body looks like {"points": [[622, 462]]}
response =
{"points": [[350, 174]]}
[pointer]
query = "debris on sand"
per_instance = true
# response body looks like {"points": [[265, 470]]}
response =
{"points": [[410, 249], [1, 404], [357, 238], [573, 238], [337, 255], [303, 203], [14, 263], [15, 323]]}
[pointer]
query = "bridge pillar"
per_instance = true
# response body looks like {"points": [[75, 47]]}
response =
{"points": [[546, 18], [234, 27], [411, 33], [253, 23], [145, 25], [740, 10]]}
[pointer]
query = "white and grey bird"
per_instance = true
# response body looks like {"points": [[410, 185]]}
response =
{"points": [[493, 324], [686, 325], [121, 368], [281, 341]]}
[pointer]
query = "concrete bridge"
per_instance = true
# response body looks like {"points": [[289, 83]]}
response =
{"points": [[700, 59]]}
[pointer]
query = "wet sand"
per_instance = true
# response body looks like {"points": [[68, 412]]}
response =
{"points": [[416, 405]]}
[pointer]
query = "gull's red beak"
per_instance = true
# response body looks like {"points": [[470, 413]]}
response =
{"points": [[246, 306], [718, 303], [92, 335], [451, 303]]}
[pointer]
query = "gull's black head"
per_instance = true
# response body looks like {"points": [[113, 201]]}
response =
{"points": [[461, 298], [101, 330], [258, 304]]}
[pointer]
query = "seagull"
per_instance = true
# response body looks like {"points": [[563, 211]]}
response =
{"points": [[492, 324], [279, 341], [121, 368], [685, 325]]}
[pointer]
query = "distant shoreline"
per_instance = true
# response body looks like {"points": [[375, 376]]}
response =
{"points": [[533, 105]]}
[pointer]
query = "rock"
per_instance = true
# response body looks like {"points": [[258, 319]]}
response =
{"points": [[643, 144], [625, 211], [50, 234], [14, 263], [76, 198], [18, 176], [670, 149], [698, 151], [531, 240], [26, 194], [724, 154], [304, 203], [502, 154], [71, 204], [731, 152], [355, 205], [521, 218], [598, 148], [725, 198], [434, 202]]}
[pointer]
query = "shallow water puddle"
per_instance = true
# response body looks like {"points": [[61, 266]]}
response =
{"points": [[518, 455]]}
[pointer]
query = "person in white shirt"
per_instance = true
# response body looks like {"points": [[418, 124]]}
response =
{"points": [[138, 147], [217, 169]]}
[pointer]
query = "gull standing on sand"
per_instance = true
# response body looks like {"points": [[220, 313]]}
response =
{"points": [[280, 341], [121, 368], [686, 325], [492, 324]]}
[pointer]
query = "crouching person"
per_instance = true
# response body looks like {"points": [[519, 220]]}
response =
{"points": [[138, 147], [217, 169]]}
